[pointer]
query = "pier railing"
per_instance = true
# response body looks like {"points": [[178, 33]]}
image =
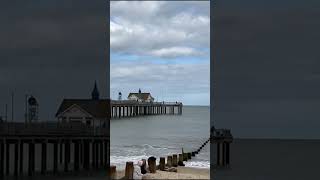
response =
{"points": [[132, 102], [50, 129]]}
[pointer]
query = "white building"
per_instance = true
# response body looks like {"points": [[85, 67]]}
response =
{"points": [[141, 97], [92, 112]]}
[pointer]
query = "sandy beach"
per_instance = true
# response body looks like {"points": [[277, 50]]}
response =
{"points": [[182, 173]]}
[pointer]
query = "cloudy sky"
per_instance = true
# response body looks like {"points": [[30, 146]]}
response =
{"points": [[161, 47], [52, 50]]}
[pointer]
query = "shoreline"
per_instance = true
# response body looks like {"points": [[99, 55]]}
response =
{"points": [[182, 173]]}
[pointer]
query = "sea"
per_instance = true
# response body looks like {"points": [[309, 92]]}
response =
{"points": [[136, 138]]}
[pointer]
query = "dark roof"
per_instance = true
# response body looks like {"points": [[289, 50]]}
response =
{"points": [[97, 108], [143, 96]]}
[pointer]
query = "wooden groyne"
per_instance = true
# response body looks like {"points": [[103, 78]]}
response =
{"points": [[168, 163], [129, 108], [68, 147]]}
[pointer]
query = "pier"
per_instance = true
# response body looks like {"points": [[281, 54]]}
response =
{"points": [[130, 108], [222, 138], [51, 148]]}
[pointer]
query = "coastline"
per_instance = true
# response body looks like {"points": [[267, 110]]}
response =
{"points": [[182, 173]]}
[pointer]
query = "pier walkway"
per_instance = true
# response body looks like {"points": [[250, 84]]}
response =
{"points": [[129, 108], [51, 147]]}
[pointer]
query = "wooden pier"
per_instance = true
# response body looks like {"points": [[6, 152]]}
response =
{"points": [[129, 108], [222, 138], [26, 149]]}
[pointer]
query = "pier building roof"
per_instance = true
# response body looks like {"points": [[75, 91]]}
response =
{"points": [[96, 108]]}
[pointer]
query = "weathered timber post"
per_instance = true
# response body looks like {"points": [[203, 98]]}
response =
{"points": [[113, 172], [189, 155], [129, 170], [16, 158], [193, 154], [152, 164], [55, 157], [7, 157], [185, 156], [97, 155], [101, 154], [31, 158], [227, 153], [93, 153], [21, 157], [86, 155], [66, 155], [162, 163], [169, 161], [76, 156], [143, 167], [106, 155], [1, 158], [61, 151], [174, 160], [218, 153], [180, 162], [43, 157]]}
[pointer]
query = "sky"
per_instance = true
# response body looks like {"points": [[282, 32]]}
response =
{"points": [[267, 68], [161, 47], [52, 49]]}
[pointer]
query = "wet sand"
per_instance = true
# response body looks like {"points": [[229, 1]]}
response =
{"points": [[261, 159]]}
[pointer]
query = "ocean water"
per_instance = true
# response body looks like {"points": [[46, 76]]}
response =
{"points": [[136, 138]]}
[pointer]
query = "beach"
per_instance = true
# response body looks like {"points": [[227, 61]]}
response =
{"points": [[182, 173]]}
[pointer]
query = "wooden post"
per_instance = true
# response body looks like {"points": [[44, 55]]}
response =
{"points": [[162, 163], [218, 153], [101, 153], [227, 153], [106, 153], [55, 157], [21, 157], [143, 167], [189, 155], [43, 157], [7, 158], [129, 170], [66, 156], [61, 151], [113, 172], [16, 158], [76, 156], [185, 156], [31, 159], [97, 155], [86, 155], [93, 157], [169, 161], [193, 154], [1, 158], [152, 164], [180, 162], [174, 160]]}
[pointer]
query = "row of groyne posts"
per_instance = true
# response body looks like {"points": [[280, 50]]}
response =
{"points": [[129, 108], [51, 149], [173, 161]]}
